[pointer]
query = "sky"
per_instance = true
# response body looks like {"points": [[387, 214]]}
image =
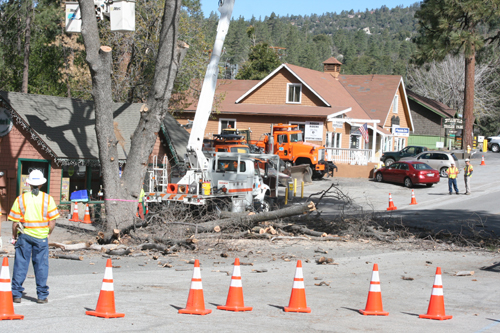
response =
{"points": [[247, 8]]}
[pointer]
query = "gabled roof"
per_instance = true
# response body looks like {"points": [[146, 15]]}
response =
{"points": [[67, 126], [332, 61], [431, 104]]}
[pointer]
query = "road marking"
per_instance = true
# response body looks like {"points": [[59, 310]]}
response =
{"points": [[489, 326]]}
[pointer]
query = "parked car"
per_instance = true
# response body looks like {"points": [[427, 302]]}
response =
{"points": [[494, 144], [408, 173], [438, 160], [390, 157]]}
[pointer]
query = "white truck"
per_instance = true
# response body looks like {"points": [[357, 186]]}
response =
{"points": [[234, 178]]}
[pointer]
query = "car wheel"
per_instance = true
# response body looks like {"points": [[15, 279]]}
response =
{"points": [[408, 182], [429, 185], [442, 172], [379, 177], [389, 161], [495, 148]]}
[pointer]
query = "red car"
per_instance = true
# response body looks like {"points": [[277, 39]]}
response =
{"points": [[408, 173]]}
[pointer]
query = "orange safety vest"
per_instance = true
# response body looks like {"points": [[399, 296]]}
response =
{"points": [[34, 212], [452, 172], [468, 169]]}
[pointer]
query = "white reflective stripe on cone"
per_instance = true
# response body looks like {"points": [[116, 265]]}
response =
{"points": [[196, 273], [437, 291], [236, 271], [298, 285], [438, 281], [299, 274], [236, 283], [196, 285], [375, 276], [375, 287], [107, 286], [5, 286], [5, 274], [108, 273]]}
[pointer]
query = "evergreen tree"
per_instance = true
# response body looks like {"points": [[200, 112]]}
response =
{"points": [[262, 60]]}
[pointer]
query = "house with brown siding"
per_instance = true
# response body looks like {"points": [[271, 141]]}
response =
{"points": [[340, 104], [57, 136]]}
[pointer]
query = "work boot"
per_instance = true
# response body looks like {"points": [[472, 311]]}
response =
{"points": [[457, 193], [450, 193], [16, 300], [42, 301]]}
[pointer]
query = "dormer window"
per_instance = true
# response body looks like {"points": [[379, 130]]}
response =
{"points": [[294, 93]]}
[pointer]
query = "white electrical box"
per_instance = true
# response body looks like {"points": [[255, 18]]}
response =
{"points": [[122, 15], [73, 17]]}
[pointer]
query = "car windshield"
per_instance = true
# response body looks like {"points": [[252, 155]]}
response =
{"points": [[297, 137], [421, 166]]}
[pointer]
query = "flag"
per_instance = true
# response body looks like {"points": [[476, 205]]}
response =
{"points": [[364, 132]]}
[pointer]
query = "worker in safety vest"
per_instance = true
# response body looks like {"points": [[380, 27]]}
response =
{"points": [[452, 173], [33, 217], [467, 174], [141, 206]]}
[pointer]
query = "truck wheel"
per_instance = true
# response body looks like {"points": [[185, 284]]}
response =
{"points": [[442, 172], [389, 161]]}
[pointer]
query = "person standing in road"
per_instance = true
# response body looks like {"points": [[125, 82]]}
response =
{"points": [[33, 217], [467, 174], [452, 173], [141, 206]]}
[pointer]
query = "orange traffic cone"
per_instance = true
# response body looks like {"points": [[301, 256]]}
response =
{"points": [[374, 301], [482, 160], [298, 297], [391, 204], [413, 199], [196, 301], [147, 208], [75, 217], [6, 301], [86, 219], [235, 296], [106, 303], [436, 304]]}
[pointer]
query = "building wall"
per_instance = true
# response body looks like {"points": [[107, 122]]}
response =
{"points": [[426, 122], [403, 118]]}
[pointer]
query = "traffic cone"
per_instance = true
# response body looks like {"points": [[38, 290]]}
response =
{"points": [[298, 297], [86, 219], [482, 160], [235, 296], [374, 301], [106, 303], [196, 301], [75, 217], [413, 199], [6, 301], [147, 208], [391, 204], [436, 304]]}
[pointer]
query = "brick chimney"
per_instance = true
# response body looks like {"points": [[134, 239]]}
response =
{"points": [[332, 65]]}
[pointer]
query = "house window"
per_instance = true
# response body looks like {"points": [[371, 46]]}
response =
{"points": [[294, 93], [333, 140], [399, 143], [301, 126], [387, 144], [226, 123], [395, 105]]}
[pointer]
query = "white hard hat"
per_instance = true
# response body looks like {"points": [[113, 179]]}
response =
{"points": [[467, 160], [36, 178]]}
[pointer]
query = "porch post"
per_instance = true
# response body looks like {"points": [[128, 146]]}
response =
{"points": [[374, 144]]}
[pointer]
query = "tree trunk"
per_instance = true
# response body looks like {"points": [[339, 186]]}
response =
{"points": [[121, 194], [470, 63], [27, 40]]}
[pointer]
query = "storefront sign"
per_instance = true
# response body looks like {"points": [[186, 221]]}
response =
{"points": [[5, 122], [314, 131], [337, 124], [401, 131]]}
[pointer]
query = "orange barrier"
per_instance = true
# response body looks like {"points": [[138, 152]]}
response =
{"points": [[413, 199], [298, 297], [172, 188], [391, 204], [374, 301], [106, 303], [86, 218], [436, 304], [75, 217], [482, 160], [6, 301], [196, 301], [235, 296]]}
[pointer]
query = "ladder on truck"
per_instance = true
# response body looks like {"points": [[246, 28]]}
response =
{"points": [[158, 176]]}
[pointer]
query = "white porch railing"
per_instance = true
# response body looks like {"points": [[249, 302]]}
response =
{"points": [[349, 156]]}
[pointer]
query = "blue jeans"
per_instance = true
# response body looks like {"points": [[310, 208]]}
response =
{"points": [[452, 182], [26, 246]]}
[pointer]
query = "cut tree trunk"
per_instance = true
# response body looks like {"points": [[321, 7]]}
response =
{"points": [[470, 63]]}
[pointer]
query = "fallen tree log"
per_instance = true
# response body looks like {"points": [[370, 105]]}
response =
{"points": [[67, 256], [71, 247], [249, 221], [120, 252]]}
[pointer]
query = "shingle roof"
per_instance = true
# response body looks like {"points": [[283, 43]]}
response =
{"points": [[436, 106], [67, 126], [332, 61]]}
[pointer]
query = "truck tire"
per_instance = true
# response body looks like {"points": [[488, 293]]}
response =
{"points": [[389, 161]]}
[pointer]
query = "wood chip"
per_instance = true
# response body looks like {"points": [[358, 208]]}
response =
{"points": [[117, 266], [324, 261], [167, 265], [318, 278], [259, 270], [246, 264], [321, 251], [407, 278], [322, 283], [429, 262], [464, 273], [223, 255]]}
